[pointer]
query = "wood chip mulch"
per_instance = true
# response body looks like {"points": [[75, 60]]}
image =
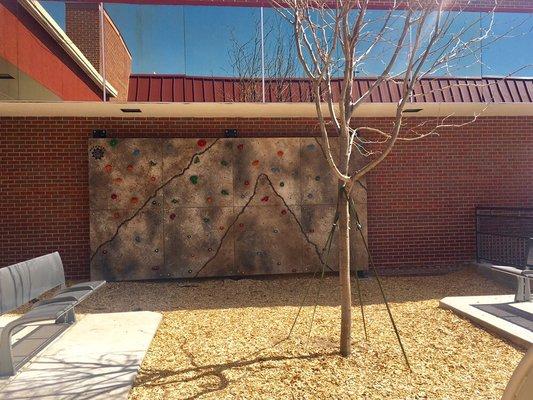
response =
{"points": [[226, 339]]}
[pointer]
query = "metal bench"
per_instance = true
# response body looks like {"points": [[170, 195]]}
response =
{"points": [[523, 275], [23, 283]]}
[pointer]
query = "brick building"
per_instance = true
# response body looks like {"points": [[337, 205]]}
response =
{"points": [[421, 200]]}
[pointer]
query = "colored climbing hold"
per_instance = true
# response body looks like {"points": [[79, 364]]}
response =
{"points": [[190, 271], [246, 183], [156, 250], [134, 200], [152, 163], [172, 216], [114, 196], [209, 200], [108, 168], [280, 153], [240, 146], [155, 267], [154, 203], [153, 178], [311, 231], [310, 196], [206, 220], [118, 181], [224, 163], [282, 184], [116, 215], [201, 143], [104, 252], [317, 178], [113, 142], [196, 160], [224, 192], [194, 179], [210, 249], [221, 227], [129, 168], [255, 163], [136, 152], [275, 231], [283, 212], [275, 169], [278, 263], [174, 201], [265, 199], [241, 225]]}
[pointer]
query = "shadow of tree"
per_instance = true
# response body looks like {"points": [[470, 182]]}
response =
{"points": [[163, 377]]}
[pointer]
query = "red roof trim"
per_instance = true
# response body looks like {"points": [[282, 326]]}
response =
{"points": [[182, 88]]}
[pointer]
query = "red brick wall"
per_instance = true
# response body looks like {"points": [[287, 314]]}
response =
{"points": [[420, 202], [83, 27]]}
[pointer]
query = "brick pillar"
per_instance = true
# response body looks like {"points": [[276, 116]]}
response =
{"points": [[83, 28]]}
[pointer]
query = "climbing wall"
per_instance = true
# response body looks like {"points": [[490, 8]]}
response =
{"points": [[183, 208]]}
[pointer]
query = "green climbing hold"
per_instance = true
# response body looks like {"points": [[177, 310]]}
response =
{"points": [[113, 142], [194, 179], [224, 163], [224, 192], [196, 160]]}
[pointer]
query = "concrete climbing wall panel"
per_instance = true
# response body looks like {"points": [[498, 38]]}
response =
{"points": [[183, 208]]}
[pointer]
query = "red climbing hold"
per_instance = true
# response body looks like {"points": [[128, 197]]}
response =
{"points": [[241, 225], [134, 200], [246, 183], [209, 199], [108, 168], [172, 216], [240, 146], [118, 180], [116, 215], [255, 163], [280, 153], [129, 168], [221, 227], [264, 199], [201, 143], [153, 178], [114, 196], [283, 212]]}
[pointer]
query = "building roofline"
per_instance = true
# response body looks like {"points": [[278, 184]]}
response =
{"points": [[37, 11]]}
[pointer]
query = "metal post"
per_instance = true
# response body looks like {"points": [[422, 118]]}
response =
{"points": [[262, 55], [102, 51]]}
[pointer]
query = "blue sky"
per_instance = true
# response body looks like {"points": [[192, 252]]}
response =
{"points": [[196, 40]]}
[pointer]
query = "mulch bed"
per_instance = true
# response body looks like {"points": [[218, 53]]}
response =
{"points": [[227, 339]]}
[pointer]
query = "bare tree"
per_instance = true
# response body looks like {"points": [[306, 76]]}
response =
{"points": [[336, 38], [279, 60]]}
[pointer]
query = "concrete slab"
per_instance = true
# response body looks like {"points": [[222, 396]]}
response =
{"points": [[466, 307], [97, 358]]}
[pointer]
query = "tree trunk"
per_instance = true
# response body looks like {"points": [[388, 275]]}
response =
{"points": [[344, 258], [344, 276]]}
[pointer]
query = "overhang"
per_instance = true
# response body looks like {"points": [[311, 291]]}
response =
{"points": [[248, 110], [37, 11]]}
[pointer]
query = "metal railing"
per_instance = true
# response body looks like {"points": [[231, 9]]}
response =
{"points": [[502, 233]]}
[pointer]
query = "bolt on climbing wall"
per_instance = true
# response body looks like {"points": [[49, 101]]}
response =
{"points": [[184, 208]]}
